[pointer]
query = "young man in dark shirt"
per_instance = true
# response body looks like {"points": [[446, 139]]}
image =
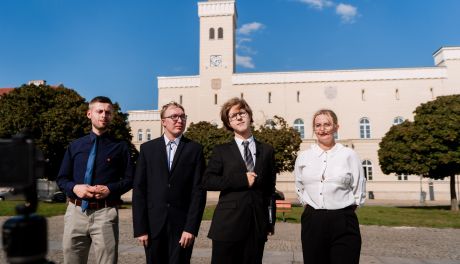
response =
{"points": [[95, 172]]}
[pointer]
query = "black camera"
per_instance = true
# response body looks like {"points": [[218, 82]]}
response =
{"points": [[24, 235]]}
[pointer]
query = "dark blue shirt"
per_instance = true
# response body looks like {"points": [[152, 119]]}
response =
{"points": [[113, 166]]}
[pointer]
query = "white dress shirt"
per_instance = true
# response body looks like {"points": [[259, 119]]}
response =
{"points": [[251, 146], [331, 179], [173, 148]]}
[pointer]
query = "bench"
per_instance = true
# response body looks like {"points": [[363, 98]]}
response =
{"points": [[283, 206]]}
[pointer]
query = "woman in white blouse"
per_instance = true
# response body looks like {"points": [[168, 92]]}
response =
{"points": [[330, 184]]}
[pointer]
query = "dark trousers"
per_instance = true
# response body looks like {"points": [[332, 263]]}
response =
{"points": [[249, 251], [330, 236], [165, 248]]}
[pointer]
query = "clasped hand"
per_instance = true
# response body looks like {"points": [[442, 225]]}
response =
{"points": [[251, 177], [88, 191]]}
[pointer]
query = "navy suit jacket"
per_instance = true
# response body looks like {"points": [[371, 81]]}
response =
{"points": [[241, 211], [160, 195]]}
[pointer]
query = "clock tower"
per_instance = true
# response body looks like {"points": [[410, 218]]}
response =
{"points": [[217, 54], [217, 35]]}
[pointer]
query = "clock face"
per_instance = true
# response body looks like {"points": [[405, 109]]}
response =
{"points": [[216, 60]]}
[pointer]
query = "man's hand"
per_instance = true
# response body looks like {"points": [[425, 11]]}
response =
{"points": [[101, 191], [143, 240], [251, 178], [84, 191], [186, 239]]}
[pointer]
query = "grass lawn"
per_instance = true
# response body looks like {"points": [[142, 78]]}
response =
{"points": [[427, 216], [423, 216], [8, 208]]}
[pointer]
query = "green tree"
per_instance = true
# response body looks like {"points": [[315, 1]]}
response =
{"points": [[285, 140], [54, 116], [208, 135], [429, 146]]}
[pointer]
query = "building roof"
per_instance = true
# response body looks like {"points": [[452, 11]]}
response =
{"points": [[5, 90]]}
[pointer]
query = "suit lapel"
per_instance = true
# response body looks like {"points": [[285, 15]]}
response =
{"points": [[178, 153], [237, 154], [162, 152], [259, 150]]}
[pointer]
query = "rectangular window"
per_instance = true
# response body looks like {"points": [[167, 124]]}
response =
{"points": [[269, 97], [180, 99], [215, 99], [298, 96]]}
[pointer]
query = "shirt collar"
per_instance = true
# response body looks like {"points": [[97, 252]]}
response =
{"points": [[93, 135], [319, 151], [176, 140], [239, 141]]}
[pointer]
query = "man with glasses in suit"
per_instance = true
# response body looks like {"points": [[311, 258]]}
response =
{"points": [[168, 201]]}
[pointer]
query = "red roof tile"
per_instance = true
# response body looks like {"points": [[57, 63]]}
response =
{"points": [[5, 90]]}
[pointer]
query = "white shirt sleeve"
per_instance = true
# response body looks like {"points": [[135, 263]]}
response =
{"points": [[299, 185], [359, 181]]}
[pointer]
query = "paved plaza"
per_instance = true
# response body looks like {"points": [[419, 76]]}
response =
{"points": [[381, 245]]}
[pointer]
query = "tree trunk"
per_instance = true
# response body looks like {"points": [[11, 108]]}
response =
{"points": [[453, 194]]}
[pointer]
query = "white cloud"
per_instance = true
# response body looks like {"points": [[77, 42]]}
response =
{"points": [[346, 12], [244, 61], [249, 28], [318, 4]]}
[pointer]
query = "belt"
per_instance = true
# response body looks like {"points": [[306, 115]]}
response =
{"points": [[95, 205], [350, 207]]}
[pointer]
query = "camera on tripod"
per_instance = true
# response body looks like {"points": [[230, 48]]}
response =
{"points": [[24, 235]]}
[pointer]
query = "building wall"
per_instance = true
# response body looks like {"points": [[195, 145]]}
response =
{"points": [[380, 95]]}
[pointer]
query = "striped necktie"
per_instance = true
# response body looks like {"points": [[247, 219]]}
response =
{"points": [[89, 171], [248, 156]]}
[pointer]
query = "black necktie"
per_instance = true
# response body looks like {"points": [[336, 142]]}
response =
{"points": [[248, 156]]}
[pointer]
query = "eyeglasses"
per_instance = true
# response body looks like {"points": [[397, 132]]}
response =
{"points": [[326, 126], [234, 116], [176, 117]]}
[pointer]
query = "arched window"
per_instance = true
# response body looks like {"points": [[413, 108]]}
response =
{"points": [[139, 135], [211, 33], [398, 120], [367, 166], [220, 33], [149, 134], [364, 128], [299, 126]]}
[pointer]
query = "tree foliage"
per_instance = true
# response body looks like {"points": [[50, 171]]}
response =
{"points": [[53, 116], [208, 135], [428, 146], [285, 140]]}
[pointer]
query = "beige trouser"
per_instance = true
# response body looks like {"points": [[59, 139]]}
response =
{"points": [[97, 227]]}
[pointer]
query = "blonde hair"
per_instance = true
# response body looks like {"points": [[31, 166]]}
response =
{"points": [[166, 106], [326, 112]]}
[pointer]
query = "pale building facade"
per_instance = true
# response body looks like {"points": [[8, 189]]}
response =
{"points": [[368, 101]]}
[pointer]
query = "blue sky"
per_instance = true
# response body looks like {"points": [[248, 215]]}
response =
{"points": [[118, 47]]}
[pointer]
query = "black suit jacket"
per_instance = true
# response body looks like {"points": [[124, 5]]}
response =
{"points": [[241, 210], [160, 195]]}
